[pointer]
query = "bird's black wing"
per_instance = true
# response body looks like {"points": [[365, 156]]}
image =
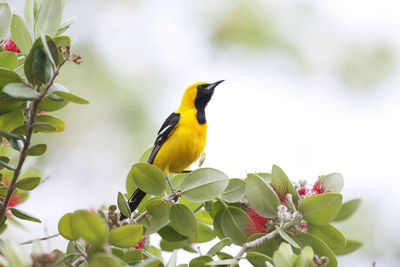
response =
{"points": [[166, 128]]}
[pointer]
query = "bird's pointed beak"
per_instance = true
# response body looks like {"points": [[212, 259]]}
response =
{"points": [[211, 86]]}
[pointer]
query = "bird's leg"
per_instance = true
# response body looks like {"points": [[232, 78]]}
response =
{"points": [[170, 184], [174, 193]]}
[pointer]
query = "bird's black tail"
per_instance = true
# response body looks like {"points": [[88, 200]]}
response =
{"points": [[134, 201]]}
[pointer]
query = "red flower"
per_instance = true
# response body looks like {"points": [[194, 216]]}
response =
{"points": [[14, 201], [318, 187], [256, 223], [281, 192], [9, 45], [142, 242], [302, 191]]}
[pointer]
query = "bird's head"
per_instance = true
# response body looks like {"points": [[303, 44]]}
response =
{"points": [[198, 95]]}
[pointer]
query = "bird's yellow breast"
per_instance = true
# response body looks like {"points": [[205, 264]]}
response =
{"points": [[184, 145]]}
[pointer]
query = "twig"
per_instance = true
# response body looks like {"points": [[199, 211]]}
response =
{"points": [[31, 115], [83, 253], [79, 261], [256, 243], [39, 239], [139, 218]]}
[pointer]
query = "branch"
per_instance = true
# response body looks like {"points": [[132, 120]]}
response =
{"points": [[139, 218], [39, 239], [83, 253], [256, 243], [31, 116], [79, 261]]}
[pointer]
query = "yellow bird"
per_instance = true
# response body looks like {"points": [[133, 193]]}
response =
{"points": [[182, 137]]}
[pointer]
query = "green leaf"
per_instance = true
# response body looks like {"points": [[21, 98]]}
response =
{"points": [[333, 182], [4, 163], [47, 51], [321, 209], [348, 209], [123, 205], [148, 178], [117, 252], [219, 246], [205, 234], [235, 190], [132, 257], [29, 18], [36, 150], [204, 184], [286, 237], [28, 183], [5, 20], [281, 260], [9, 104], [305, 259], [265, 176], [261, 196], [126, 236], [65, 229], [8, 60], [169, 234], [20, 34], [70, 97], [10, 135], [55, 121], [223, 255], [20, 91], [65, 25], [200, 261], [171, 246], [282, 184], [204, 216], [329, 234], [49, 17], [172, 260], [222, 262], [257, 259], [48, 104], [8, 76], [217, 225], [38, 67], [234, 222], [23, 215], [351, 246], [150, 262], [183, 220], [105, 260], [157, 215], [11, 120], [319, 247], [89, 226]]}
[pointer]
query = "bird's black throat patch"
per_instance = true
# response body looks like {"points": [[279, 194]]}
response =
{"points": [[202, 98]]}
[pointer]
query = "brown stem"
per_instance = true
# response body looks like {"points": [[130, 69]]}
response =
{"points": [[32, 112], [39, 239]]}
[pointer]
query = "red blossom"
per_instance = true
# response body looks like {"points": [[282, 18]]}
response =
{"points": [[257, 223], [142, 242], [281, 192], [9, 45], [14, 201], [302, 191], [318, 187]]}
